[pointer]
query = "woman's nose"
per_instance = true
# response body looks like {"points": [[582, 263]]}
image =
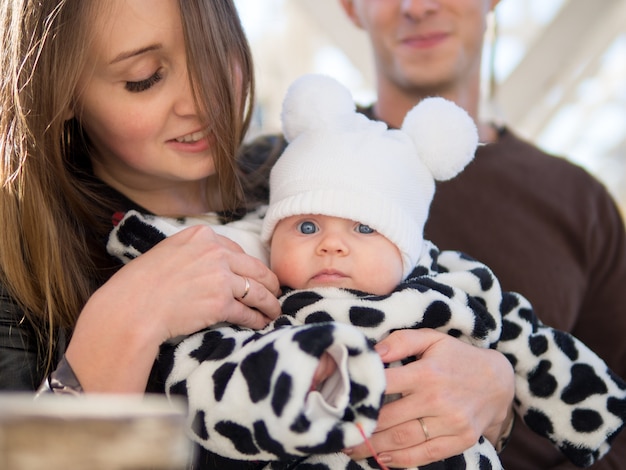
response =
{"points": [[184, 104]]}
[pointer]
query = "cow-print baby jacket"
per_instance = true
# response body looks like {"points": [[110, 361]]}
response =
{"points": [[249, 394]]}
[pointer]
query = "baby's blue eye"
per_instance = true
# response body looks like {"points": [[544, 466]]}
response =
{"points": [[362, 228], [307, 227]]}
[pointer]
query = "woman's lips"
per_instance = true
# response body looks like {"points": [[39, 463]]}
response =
{"points": [[190, 138], [194, 142]]}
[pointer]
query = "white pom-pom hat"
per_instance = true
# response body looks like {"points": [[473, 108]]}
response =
{"points": [[340, 163]]}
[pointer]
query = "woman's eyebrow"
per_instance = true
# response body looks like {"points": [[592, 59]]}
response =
{"points": [[135, 52]]}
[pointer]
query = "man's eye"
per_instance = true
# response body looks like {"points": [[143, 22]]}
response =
{"points": [[307, 227], [143, 85], [362, 228]]}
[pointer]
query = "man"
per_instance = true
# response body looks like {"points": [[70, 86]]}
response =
{"points": [[548, 229]]}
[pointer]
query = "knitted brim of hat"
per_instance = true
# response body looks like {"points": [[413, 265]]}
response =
{"points": [[386, 217]]}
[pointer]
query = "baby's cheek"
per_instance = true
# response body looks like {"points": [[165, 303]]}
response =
{"points": [[286, 271]]}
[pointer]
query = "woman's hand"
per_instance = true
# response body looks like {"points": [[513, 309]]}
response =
{"points": [[189, 281], [459, 391]]}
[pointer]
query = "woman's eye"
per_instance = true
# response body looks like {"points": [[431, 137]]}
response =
{"points": [[362, 228], [143, 85], [307, 228]]}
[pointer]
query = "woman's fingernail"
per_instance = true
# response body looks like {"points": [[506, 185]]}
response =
{"points": [[385, 458], [381, 349], [348, 451]]}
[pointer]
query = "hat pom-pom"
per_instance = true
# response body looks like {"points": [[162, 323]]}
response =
{"points": [[315, 102], [445, 136]]}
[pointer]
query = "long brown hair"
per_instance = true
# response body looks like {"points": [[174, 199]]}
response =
{"points": [[51, 215]]}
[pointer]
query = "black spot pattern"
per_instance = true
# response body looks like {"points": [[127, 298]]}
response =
{"points": [[240, 436], [198, 426], [484, 463], [282, 393], [165, 360], [264, 441], [449, 464], [418, 272], [310, 466], [318, 317], [580, 456], [316, 340], [508, 303], [431, 284], [221, 377], [353, 352], [436, 315], [257, 369], [299, 300], [136, 233], [484, 322], [252, 338], [484, 276], [366, 317], [214, 347], [617, 407], [179, 388], [565, 342], [348, 416], [542, 383], [334, 443], [538, 344], [585, 382], [408, 360], [584, 420], [282, 321], [539, 422], [358, 392], [368, 411], [616, 379], [455, 333], [512, 359], [301, 424], [371, 462], [529, 316], [510, 331]]}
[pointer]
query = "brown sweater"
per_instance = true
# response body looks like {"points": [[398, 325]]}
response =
{"points": [[549, 231]]}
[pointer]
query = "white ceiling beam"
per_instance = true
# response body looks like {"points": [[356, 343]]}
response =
{"points": [[566, 52], [334, 23]]}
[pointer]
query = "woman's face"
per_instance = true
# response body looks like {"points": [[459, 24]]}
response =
{"points": [[135, 103]]}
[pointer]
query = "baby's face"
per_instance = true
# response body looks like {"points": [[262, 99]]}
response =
{"points": [[321, 251]]}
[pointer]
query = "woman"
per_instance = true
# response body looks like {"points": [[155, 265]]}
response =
{"points": [[108, 106]]}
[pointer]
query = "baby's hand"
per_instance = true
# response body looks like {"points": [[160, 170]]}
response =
{"points": [[325, 369]]}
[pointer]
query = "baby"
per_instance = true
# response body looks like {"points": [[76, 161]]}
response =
{"points": [[348, 202]]}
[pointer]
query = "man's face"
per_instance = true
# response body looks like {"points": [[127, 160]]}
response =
{"points": [[424, 44]]}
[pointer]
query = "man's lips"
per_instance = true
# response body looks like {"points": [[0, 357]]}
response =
{"points": [[424, 41]]}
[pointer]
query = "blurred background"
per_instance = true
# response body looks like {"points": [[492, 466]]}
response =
{"points": [[555, 70]]}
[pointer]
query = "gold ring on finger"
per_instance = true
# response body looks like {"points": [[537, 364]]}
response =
{"points": [[424, 428], [246, 289]]}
